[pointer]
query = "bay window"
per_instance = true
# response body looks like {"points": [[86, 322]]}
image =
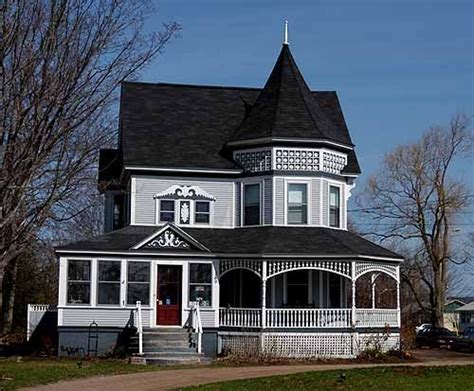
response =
{"points": [[200, 283], [334, 206], [79, 282], [108, 282], [252, 204], [297, 212], [138, 283]]}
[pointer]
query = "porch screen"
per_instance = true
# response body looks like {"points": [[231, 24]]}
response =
{"points": [[79, 282], [200, 283], [109, 282], [138, 287]]}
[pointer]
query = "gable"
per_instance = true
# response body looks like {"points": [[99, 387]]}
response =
{"points": [[170, 238]]}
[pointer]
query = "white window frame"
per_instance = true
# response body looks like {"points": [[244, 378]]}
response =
{"points": [[91, 285], [121, 298], [158, 210], [306, 182], [126, 282], [242, 203], [193, 210], [328, 207]]}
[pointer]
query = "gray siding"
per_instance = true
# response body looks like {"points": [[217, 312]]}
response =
{"points": [[279, 201], [104, 317], [238, 202], [147, 187], [268, 202], [315, 200], [325, 200]]}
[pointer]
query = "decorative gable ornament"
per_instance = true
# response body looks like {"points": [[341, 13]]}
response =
{"points": [[183, 191], [167, 239]]}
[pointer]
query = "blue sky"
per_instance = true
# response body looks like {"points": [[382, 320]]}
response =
{"points": [[397, 66]]}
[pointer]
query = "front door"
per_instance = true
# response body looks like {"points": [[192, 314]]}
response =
{"points": [[168, 297]]}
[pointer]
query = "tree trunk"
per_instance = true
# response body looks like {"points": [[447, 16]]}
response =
{"points": [[9, 300], [437, 312]]}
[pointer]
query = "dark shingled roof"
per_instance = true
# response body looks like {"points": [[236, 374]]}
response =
{"points": [[258, 241], [286, 108]]}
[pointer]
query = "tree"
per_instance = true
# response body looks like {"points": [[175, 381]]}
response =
{"points": [[62, 62], [416, 199]]}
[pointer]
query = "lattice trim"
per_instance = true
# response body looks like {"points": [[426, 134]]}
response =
{"points": [[255, 161], [228, 265], [333, 162], [339, 267], [362, 268], [296, 160]]}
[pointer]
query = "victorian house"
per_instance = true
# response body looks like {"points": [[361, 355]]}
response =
{"points": [[226, 229]]}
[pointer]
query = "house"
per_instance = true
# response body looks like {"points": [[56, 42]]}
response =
{"points": [[466, 315], [451, 314], [226, 220]]}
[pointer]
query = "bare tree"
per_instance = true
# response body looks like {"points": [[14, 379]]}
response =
{"points": [[62, 62], [415, 199]]}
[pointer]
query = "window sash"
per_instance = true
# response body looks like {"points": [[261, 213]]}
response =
{"points": [[202, 216], [135, 282], [334, 206], [252, 206], [200, 283], [167, 210], [82, 279], [297, 210], [108, 287]]}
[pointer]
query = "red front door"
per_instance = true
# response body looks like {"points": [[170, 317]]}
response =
{"points": [[168, 303]]}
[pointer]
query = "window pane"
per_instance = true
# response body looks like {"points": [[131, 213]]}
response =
{"points": [[334, 196], [139, 271], [78, 293], [167, 216], [200, 272], [297, 204], [334, 202], [109, 293], [167, 206], [252, 194], [201, 218], [202, 293], [79, 270], [138, 292], [252, 205], [202, 207], [109, 271]]}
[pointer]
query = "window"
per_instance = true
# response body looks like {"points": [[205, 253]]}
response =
{"points": [[118, 218], [252, 204], [109, 282], [138, 286], [166, 210], [202, 212], [297, 203], [79, 282], [334, 206], [200, 283]]}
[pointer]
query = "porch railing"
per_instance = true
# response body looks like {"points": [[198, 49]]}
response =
{"points": [[376, 317], [304, 318], [307, 317], [240, 317]]}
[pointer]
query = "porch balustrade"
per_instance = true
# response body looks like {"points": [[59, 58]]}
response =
{"points": [[307, 317]]}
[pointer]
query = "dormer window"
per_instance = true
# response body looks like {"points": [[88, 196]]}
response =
{"points": [[167, 211], [252, 204], [334, 206], [202, 212], [297, 212]]}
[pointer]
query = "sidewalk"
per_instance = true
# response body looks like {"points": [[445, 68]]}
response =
{"points": [[175, 378]]}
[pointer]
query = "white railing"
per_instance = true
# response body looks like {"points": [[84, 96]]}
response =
{"points": [[240, 317], [376, 317], [140, 327], [308, 318], [197, 325], [34, 315]]}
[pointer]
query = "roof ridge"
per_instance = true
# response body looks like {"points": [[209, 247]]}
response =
{"points": [[187, 85]]}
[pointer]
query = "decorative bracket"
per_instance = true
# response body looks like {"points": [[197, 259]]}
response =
{"points": [[184, 191]]}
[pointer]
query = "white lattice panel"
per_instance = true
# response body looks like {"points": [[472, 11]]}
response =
{"points": [[384, 342], [333, 162], [240, 344], [364, 267], [227, 265], [340, 267], [255, 161], [296, 160], [308, 345]]}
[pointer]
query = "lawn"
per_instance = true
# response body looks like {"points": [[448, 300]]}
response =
{"points": [[29, 372], [395, 378]]}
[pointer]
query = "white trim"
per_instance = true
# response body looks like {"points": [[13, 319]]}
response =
{"points": [[342, 209], [170, 169], [321, 296], [133, 189], [288, 140]]}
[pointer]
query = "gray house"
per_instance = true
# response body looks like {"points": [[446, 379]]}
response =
{"points": [[226, 229]]}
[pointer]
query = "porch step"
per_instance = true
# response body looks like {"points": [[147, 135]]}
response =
{"points": [[168, 360]]}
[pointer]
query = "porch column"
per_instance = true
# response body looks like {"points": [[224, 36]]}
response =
{"points": [[264, 294], [353, 280], [398, 297]]}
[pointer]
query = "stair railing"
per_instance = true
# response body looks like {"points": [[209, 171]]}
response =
{"points": [[139, 327], [198, 326]]}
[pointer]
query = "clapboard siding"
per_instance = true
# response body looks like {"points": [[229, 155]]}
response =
{"points": [[279, 201], [238, 202], [315, 201], [268, 202], [208, 317], [147, 187], [113, 317], [325, 199]]}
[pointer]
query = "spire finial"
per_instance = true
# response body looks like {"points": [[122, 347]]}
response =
{"points": [[285, 42]]}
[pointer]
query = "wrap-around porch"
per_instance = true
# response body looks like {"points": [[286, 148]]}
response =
{"points": [[304, 294]]}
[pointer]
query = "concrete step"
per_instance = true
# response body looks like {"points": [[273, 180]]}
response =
{"points": [[169, 349], [168, 360]]}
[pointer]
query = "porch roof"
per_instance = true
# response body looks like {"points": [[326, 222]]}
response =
{"points": [[255, 241]]}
